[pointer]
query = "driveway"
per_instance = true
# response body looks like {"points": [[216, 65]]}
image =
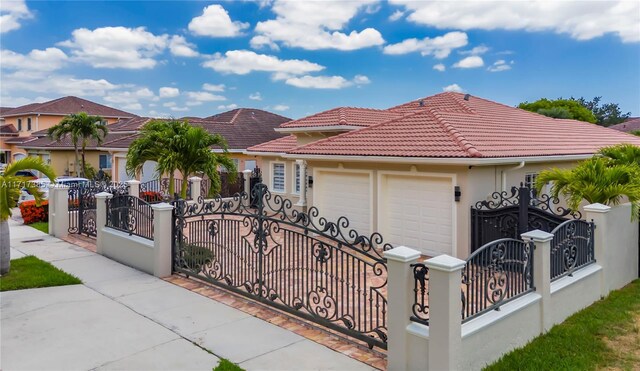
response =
{"points": [[121, 318]]}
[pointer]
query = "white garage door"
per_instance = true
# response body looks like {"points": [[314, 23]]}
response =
{"points": [[417, 212], [339, 194]]}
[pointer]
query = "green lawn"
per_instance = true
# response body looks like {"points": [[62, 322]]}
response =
{"points": [[605, 335], [30, 272], [41, 226]]}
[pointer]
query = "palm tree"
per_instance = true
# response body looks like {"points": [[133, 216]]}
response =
{"points": [[596, 180], [622, 154], [81, 128], [10, 189]]}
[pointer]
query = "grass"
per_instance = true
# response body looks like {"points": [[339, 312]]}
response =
{"points": [[226, 365], [41, 226], [30, 272], [605, 335]]}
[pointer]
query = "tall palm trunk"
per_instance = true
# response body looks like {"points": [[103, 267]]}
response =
{"points": [[77, 160], [83, 161], [172, 187], [5, 253], [183, 191]]}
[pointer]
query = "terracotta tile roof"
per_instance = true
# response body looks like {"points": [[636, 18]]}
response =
{"points": [[279, 145], [248, 116], [67, 105], [5, 109], [131, 124], [344, 116], [19, 140], [446, 125], [8, 130], [632, 124], [65, 142]]}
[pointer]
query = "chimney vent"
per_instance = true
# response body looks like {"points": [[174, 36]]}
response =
{"points": [[467, 96], [421, 102]]}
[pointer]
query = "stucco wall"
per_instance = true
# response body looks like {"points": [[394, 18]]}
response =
{"points": [[621, 249], [570, 294], [134, 251], [63, 161]]}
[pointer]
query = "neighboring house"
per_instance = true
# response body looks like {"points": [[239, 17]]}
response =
{"points": [[397, 171], [32, 120], [241, 128], [630, 124]]}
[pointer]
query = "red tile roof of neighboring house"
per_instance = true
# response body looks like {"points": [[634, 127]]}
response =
{"points": [[447, 125], [67, 105], [19, 140], [247, 116], [5, 109], [632, 124], [279, 145], [65, 142], [131, 124], [343, 116], [8, 130]]}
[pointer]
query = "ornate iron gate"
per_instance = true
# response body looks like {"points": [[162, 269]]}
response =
{"points": [[508, 215], [82, 205], [297, 262]]}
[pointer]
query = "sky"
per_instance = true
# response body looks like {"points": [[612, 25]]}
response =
{"points": [[295, 58]]}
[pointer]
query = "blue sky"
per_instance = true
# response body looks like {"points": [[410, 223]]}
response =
{"points": [[165, 58]]}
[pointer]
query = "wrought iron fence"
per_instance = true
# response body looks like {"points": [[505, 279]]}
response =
{"points": [[157, 190], [227, 187], [131, 215], [572, 247], [301, 263], [420, 307], [495, 274], [82, 204]]}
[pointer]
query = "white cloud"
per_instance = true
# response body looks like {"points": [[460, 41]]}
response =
{"points": [[169, 104], [180, 47], [261, 41], [314, 25], [242, 62], [498, 66], [49, 59], [204, 96], [212, 87], [179, 109], [361, 80], [439, 46], [215, 22], [12, 13], [255, 96], [7, 101], [132, 106], [473, 61], [280, 107], [193, 103], [116, 47], [168, 92], [228, 106], [396, 15], [453, 88], [129, 99], [480, 49], [580, 20], [318, 82], [54, 84], [439, 67]]}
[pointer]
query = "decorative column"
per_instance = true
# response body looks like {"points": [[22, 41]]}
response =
{"points": [[400, 283], [542, 272], [247, 185], [598, 213], [134, 188], [101, 218], [302, 202], [162, 239], [195, 187], [60, 217], [445, 312]]}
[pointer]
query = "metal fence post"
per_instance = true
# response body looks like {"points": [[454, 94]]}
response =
{"points": [[400, 283], [542, 272], [445, 312], [101, 218]]}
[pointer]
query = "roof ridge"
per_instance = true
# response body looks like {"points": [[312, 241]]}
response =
{"points": [[342, 116], [235, 116], [466, 145], [461, 103]]}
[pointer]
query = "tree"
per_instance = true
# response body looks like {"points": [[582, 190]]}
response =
{"points": [[596, 180], [176, 145], [622, 154], [606, 115], [10, 188], [560, 108], [81, 128]]}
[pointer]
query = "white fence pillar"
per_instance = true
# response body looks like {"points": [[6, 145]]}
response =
{"points": [[195, 187], [59, 218], [247, 185], [598, 213], [162, 239], [542, 272], [400, 299], [445, 312], [134, 187], [101, 219], [302, 201]]}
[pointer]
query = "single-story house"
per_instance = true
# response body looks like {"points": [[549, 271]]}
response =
{"points": [[413, 171], [629, 125]]}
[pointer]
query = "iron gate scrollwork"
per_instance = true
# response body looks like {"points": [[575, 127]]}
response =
{"points": [[509, 214], [297, 262], [82, 205]]}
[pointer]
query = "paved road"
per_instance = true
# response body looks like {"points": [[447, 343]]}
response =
{"points": [[121, 318]]}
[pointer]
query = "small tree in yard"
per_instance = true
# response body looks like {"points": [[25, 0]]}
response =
{"points": [[81, 128], [10, 188]]}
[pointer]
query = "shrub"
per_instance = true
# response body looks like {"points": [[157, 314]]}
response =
{"points": [[32, 213], [151, 196]]}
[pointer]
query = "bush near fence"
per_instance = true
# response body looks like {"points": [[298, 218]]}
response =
{"points": [[32, 213], [151, 196]]}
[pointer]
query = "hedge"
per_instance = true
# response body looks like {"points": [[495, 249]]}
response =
{"points": [[32, 213]]}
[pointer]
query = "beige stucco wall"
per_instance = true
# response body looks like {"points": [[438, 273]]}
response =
{"points": [[476, 183], [62, 162], [39, 122]]}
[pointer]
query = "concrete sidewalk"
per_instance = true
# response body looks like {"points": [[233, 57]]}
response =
{"points": [[121, 318]]}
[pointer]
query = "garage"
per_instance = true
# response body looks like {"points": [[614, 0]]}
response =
{"points": [[345, 193], [417, 211]]}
